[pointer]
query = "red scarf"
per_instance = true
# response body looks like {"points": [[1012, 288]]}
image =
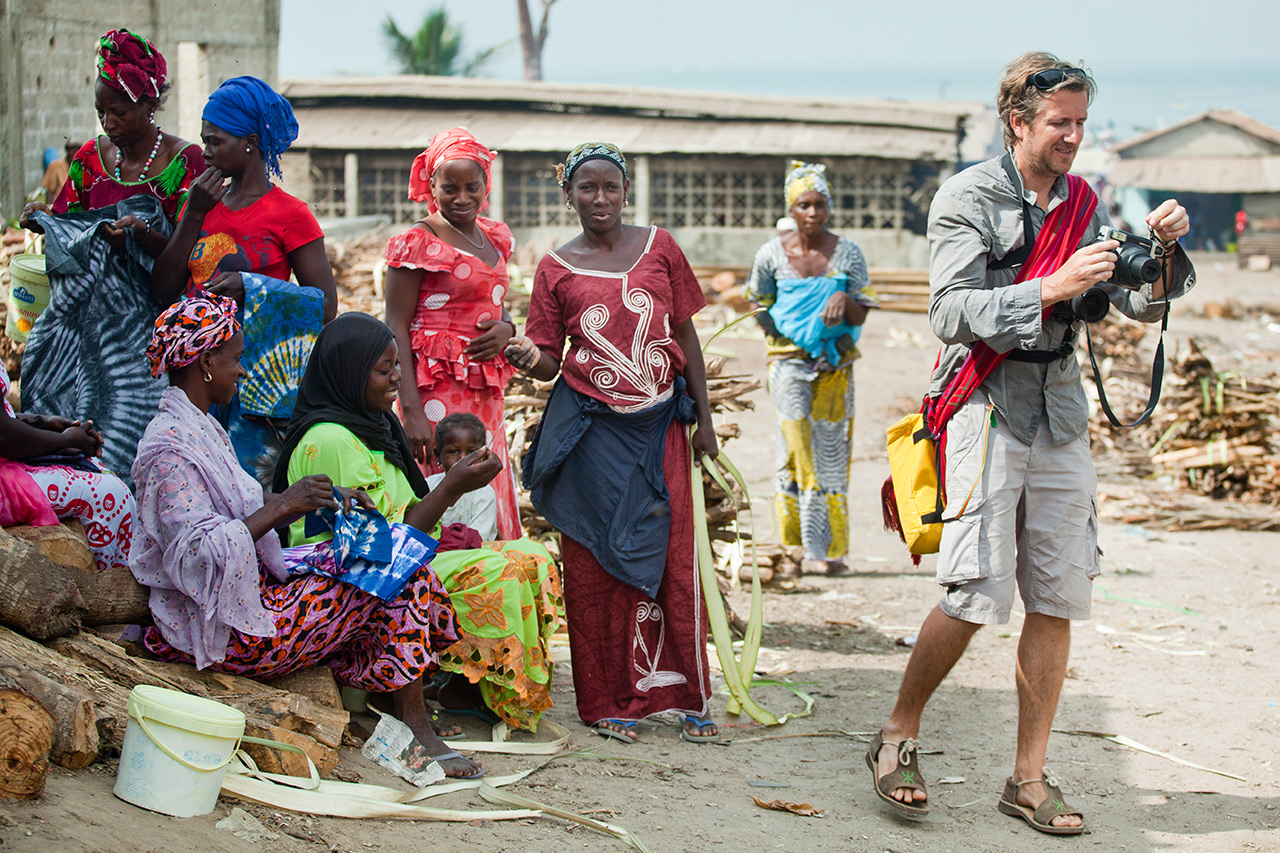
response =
{"points": [[1057, 239]]}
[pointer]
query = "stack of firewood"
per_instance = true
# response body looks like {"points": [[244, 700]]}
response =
{"points": [[64, 686], [1214, 432]]}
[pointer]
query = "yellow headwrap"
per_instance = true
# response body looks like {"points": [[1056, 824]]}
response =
{"points": [[804, 178]]}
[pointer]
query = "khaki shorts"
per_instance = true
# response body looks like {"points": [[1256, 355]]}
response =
{"points": [[1031, 521]]}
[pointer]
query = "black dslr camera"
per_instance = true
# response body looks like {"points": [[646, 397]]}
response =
{"points": [[1138, 262]]}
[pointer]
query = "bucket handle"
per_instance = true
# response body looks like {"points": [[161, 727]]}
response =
{"points": [[142, 721], [243, 739]]}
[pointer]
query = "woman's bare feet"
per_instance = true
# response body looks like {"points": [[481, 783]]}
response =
{"points": [[410, 709]]}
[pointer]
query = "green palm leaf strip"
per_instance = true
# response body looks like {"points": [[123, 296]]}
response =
{"points": [[733, 668]]}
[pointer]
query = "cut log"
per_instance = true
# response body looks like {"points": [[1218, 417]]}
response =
{"points": [[282, 761], [89, 710], [26, 736], [35, 595], [314, 682], [65, 543]]}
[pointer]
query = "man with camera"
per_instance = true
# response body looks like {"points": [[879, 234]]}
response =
{"points": [[1018, 257]]}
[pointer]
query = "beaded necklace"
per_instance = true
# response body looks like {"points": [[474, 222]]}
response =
{"points": [[155, 149]]}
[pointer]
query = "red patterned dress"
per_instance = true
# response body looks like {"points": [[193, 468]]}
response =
{"points": [[459, 290]]}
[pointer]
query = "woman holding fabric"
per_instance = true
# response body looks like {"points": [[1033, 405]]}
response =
{"points": [[245, 238], [84, 358], [506, 594], [224, 593], [446, 280], [631, 380], [815, 288]]}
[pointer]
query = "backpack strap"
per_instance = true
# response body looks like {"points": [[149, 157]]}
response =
{"points": [[1019, 255]]}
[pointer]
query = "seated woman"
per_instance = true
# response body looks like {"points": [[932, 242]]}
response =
{"points": [[506, 594], [222, 591], [456, 436], [46, 474]]}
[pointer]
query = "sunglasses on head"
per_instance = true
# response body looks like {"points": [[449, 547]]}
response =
{"points": [[1049, 78]]}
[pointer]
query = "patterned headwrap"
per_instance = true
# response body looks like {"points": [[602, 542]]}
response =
{"points": [[187, 328], [246, 105], [589, 151], [806, 178], [456, 143], [129, 63]]}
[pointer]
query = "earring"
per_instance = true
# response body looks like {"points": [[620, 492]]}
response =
{"points": [[568, 205], [247, 149], [208, 377], [152, 118], [624, 202]]}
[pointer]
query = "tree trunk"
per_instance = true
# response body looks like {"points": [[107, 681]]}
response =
{"points": [[531, 41], [26, 736], [109, 596], [36, 597]]}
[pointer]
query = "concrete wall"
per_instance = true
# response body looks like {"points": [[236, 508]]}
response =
{"points": [[47, 65]]}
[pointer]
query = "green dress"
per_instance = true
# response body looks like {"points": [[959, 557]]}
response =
{"points": [[507, 595]]}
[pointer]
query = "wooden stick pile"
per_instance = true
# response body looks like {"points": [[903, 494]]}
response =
{"points": [[1214, 432]]}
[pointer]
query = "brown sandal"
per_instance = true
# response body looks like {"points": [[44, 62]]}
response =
{"points": [[906, 775], [1053, 805]]}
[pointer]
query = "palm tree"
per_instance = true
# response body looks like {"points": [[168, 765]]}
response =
{"points": [[436, 48]]}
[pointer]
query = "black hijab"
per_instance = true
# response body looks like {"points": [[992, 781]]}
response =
{"points": [[332, 391]]}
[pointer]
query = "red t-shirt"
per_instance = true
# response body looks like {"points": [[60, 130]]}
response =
{"points": [[618, 324], [257, 238]]}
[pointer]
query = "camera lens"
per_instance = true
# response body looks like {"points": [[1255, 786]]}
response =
{"points": [[1135, 267], [1092, 305]]}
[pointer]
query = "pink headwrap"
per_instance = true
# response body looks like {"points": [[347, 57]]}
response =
{"points": [[131, 64], [187, 328], [454, 144]]}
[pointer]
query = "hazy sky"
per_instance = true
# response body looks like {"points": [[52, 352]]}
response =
{"points": [[1156, 63]]}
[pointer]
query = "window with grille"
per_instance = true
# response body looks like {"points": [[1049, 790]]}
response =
{"points": [[328, 185], [715, 193], [748, 193], [384, 186], [531, 195]]}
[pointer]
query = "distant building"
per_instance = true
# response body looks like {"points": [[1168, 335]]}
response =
{"points": [[1215, 164], [47, 62], [707, 167]]}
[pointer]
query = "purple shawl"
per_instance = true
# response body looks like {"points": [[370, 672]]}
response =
{"points": [[190, 544]]}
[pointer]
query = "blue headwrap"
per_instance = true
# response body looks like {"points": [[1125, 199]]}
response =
{"points": [[245, 105]]}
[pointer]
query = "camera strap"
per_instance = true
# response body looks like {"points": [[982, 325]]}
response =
{"points": [[1157, 367]]}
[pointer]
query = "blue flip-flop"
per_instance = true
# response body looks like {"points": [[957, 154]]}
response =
{"points": [[685, 719], [608, 733], [454, 754]]}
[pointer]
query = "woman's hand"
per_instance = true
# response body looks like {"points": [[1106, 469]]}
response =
{"points": [[227, 284], [205, 192], [421, 437], [352, 498], [87, 441], [704, 443], [522, 352], [833, 311], [497, 334], [309, 493], [25, 218], [114, 232], [473, 471]]}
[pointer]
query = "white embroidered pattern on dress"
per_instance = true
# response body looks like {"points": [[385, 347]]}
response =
{"points": [[645, 663]]}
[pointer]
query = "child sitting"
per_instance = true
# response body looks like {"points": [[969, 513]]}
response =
{"points": [[456, 436]]}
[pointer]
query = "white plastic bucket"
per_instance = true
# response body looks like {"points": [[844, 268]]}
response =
{"points": [[176, 751], [28, 295]]}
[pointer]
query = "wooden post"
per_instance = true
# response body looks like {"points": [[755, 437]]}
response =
{"points": [[640, 189], [351, 183], [496, 198]]}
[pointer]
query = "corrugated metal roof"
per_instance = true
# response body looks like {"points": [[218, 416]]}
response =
{"points": [[669, 103], [1229, 117], [387, 127], [1199, 174]]}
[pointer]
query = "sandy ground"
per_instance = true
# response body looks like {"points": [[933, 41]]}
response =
{"points": [[1176, 657]]}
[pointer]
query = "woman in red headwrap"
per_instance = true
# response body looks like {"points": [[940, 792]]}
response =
{"points": [[134, 156], [445, 287]]}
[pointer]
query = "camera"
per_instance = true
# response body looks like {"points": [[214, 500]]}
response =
{"points": [[1138, 262]]}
